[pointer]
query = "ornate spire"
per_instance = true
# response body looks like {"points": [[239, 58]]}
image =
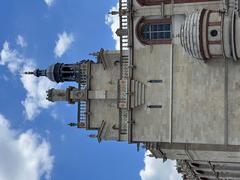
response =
{"points": [[52, 72], [79, 124], [29, 72], [114, 13], [37, 72], [61, 72], [72, 124]]}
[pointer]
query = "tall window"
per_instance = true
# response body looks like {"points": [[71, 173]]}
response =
{"points": [[154, 31]]}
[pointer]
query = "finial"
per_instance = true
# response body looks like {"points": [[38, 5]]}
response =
{"points": [[113, 12], [72, 124], [81, 125], [28, 72]]}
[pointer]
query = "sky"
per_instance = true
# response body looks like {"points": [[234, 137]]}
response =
{"points": [[35, 142]]}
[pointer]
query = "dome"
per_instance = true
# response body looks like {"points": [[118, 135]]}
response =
{"points": [[60, 72], [53, 72]]}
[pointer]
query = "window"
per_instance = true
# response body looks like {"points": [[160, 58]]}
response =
{"points": [[152, 2], [214, 33], [154, 31], [159, 2]]}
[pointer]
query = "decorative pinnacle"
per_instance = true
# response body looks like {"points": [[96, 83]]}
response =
{"points": [[72, 124], [113, 12], [79, 125], [30, 72]]}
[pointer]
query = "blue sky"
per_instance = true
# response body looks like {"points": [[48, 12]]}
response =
{"points": [[35, 141]]}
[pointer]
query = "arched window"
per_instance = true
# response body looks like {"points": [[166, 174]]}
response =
{"points": [[154, 31], [159, 2], [152, 2]]}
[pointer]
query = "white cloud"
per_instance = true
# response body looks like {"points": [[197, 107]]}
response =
{"points": [[155, 169], [21, 41], [113, 22], [10, 58], [36, 94], [63, 43], [24, 156], [36, 88], [49, 2]]}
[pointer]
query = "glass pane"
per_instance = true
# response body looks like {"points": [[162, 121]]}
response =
{"points": [[167, 27], [161, 35], [146, 36], [160, 27], [146, 28], [154, 35], [167, 35], [154, 27]]}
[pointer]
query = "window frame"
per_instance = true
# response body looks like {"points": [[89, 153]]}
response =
{"points": [[159, 2], [143, 21], [153, 2]]}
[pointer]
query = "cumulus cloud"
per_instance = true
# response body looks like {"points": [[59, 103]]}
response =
{"points": [[21, 41], [49, 2], [36, 88], [24, 156], [113, 22], [63, 43], [155, 169], [10, 58]]}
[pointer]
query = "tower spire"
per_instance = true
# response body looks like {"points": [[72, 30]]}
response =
{"points": [[29, 72], [61, 72], [37, 72]]}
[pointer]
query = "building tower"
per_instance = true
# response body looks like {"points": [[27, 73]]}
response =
{"points": [[79, 73], [97, 86], [61, 72], [209, 34], [71, 95]]}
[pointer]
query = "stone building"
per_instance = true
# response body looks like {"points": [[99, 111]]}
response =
{"points": [[174, 85]]}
